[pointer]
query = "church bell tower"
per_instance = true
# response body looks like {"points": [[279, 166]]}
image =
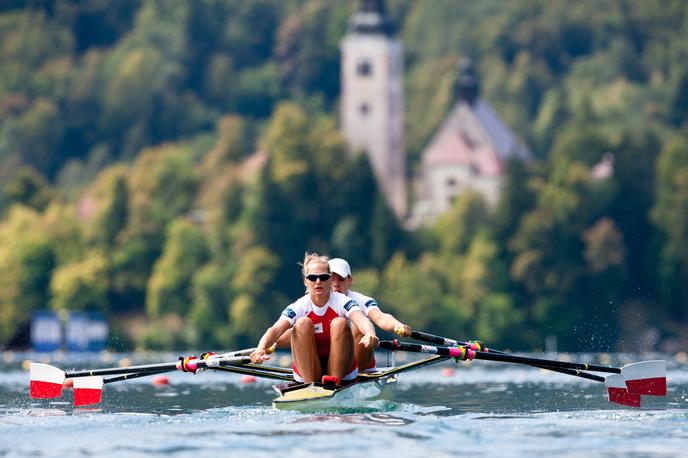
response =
{"points": [[372, 108]]}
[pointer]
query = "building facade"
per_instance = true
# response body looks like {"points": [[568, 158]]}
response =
{"points": [[372, 108], [468, 151]]}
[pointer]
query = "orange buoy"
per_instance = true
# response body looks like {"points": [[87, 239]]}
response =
{"points": [[248, 379], [448, 372], [161, 380]]}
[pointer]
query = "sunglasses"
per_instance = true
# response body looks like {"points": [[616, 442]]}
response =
{"points": [[316, 277]]}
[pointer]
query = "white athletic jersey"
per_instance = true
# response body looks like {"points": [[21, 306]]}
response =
{"points": [[365, 303], [340, 304]]}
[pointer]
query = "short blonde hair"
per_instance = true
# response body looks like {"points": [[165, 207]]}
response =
{"points": [[309, 258]]}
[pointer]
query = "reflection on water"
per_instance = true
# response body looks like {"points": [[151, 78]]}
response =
{"points": [[358, 419]]}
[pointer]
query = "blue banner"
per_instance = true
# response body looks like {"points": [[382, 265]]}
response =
{"points": [[86, 331], [46, 331]]}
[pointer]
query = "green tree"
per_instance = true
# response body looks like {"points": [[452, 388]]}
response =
{"points": [[81, 285], [256, 303], [456, 228], [170, 285], [208, 315], [28, 188], [27, 260], [670, 214]]}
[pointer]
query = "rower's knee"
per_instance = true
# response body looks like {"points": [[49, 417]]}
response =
{"points": [[303, 326], [339, 326]]}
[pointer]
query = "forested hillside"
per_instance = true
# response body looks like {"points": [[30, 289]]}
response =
{"points": [[169, 163]]}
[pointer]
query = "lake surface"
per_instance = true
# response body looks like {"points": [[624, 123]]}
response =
{"points": [[486, 408]]}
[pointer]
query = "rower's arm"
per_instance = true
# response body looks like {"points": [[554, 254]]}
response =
{"points": [[387, 322], [364, 325], [285, 339], [269, 338]]}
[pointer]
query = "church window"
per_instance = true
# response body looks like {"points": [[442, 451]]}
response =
{"points": [[364, 68], [451, 182], [364, 109]]}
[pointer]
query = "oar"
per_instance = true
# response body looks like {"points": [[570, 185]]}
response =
{"points": [[648, 377], [46, 381], [432, 338], [616, 385], [88, 390], [268, 372]]}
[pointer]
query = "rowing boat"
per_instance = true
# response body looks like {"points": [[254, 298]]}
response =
{"points": [[372, 390], [625, 385], [360, 396]]}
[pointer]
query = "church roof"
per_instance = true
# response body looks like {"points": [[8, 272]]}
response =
{"points": [[475, 136], [370, 19]]}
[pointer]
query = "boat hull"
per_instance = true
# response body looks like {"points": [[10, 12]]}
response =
{"points": [[361, 396]]}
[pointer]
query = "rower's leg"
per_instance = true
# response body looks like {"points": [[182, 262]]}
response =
{"points": [[364, 356], [341, 348], [304, 351]]}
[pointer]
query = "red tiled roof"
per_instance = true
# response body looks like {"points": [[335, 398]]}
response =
{"points": [[474, 136]]}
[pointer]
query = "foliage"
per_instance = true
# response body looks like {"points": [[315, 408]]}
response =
{"points": [[174, 161]]}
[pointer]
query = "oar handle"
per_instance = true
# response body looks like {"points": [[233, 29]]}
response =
{"points": [[459, 352], [439, 340]]}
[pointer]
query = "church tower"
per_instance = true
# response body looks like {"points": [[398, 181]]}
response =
{"points": [[372, 108]]}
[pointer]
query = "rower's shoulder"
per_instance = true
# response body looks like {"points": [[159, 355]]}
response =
{"points": [[344, 301], [339, 297], [361, 299], [303, 301]]}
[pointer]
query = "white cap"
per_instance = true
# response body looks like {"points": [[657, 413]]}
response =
{"points": [[340, 267]]}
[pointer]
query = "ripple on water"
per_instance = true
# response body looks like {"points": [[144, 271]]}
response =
{"points": [[487, 410]]}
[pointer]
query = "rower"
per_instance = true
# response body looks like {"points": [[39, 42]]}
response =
{"points": [[321, 338], [341, 283]]}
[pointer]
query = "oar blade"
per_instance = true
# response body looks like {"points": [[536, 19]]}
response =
{"points": [[45, 381], [87, 390], [647, 377], [618, 394]]}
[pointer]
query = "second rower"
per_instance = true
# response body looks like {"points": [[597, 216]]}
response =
{"points": [[341, 283]]}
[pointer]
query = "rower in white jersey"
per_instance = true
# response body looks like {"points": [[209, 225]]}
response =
{"points": [[341, 283]]}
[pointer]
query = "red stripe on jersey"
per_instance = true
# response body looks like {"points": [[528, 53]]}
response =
{"points": [[322, 330]]}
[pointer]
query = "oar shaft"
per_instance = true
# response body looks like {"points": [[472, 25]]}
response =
{"points": [[544, 363], [160, 367], [454, 352], [120, 378], [275, 375], [432, 338], [439, 340]]}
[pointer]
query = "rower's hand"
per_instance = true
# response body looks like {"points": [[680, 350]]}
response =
{"points": [[259, 356], [369, 341], [403, 330]]}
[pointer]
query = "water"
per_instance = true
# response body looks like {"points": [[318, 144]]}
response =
{"points": [[491, 409]]}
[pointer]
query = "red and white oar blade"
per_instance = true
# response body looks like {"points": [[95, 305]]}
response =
{"points": [[87, 390], [648, 377], [618, 394], [45, 380]]}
